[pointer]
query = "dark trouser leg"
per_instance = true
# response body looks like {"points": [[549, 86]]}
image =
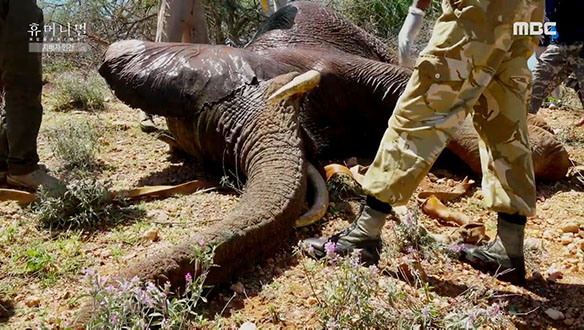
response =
{"points": [[578, 65], [3, 138], [22, 75], [551, 70]]}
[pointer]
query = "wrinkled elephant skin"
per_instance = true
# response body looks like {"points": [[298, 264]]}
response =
{"points": [[215, 100]]}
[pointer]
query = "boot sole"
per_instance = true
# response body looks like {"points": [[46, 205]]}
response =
{"points": [[18, 184], [511, 275]]}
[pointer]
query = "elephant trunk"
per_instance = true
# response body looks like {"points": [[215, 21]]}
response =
{"points": [[270, 154]]}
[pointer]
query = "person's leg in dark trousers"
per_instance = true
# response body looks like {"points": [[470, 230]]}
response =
{"points": [[22, 77]]}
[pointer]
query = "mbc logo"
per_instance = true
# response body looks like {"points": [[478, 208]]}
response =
{"points": [[534, 29]]}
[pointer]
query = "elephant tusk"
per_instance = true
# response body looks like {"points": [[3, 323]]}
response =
{"points": [[321, 199], [299, 85]]}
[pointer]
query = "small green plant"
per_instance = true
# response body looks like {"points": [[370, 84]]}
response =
{"points": [[44, 259], [343, 186], [132, 304], [348, 291], [83, 204], [75, 144], [350, 296], [38, 260], [411, 235], [227, 182], [76, 90]]}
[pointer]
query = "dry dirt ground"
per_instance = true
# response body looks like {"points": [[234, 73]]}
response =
{"points": [[41, 271]]}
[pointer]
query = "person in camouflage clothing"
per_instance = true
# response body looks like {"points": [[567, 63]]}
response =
{"points": [[565, 54], [473, 65], [21, 76]]}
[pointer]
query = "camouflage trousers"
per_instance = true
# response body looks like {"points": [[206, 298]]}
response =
{"points": [[472, 65], [554, 66]]}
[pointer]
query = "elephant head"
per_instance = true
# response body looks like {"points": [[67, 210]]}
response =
{"points": [[231, 112]]}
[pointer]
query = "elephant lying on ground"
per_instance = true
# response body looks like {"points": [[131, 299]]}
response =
{"points": [[216, 102]]}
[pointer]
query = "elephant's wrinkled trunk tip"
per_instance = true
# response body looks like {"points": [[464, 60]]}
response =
{"points": [[299, 85]]}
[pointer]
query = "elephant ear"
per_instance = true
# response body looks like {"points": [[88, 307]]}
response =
{"points": [[177, 80]]}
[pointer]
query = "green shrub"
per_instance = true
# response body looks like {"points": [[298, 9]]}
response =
{"points": [[75, 144], [381, 17], [83, 204], [76, 90]]}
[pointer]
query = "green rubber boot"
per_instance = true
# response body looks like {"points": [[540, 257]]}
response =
{"points": [[363, 235], [503, 255]]}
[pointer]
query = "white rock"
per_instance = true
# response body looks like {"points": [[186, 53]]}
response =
{"points": [[549, 234], [532, 243], [554, 273], [554, 314], [572, 248], [251, 326], [567, 238], [106, 253], [570, 227]]}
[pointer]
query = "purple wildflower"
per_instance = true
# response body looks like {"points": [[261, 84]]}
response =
{"points": [[200, 242], [426, 312], [330, 248], [332, 325], [456, 248], [188, 277], [109, 289], [114, 320], [150, 287], [147, 300], [495, 310]]}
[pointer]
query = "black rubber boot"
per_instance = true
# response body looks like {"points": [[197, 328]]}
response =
{"points": [[364, 236], [504, 255]]}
